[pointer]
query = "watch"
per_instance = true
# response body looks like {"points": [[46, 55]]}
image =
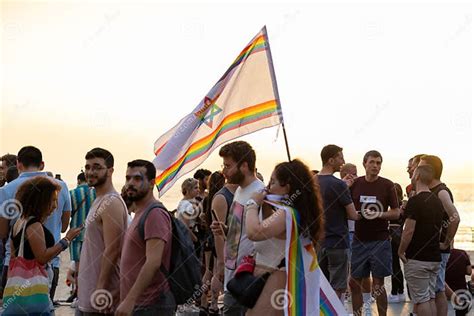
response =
{"points": [[251, 202]]}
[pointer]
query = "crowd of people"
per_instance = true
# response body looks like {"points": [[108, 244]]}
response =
{"points": [[361, 227]]}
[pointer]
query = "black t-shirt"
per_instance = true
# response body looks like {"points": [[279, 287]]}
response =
{"points": [[377, 195], [336, 196], [444, 230], [427, 210], [456, 269], [27, 252]]}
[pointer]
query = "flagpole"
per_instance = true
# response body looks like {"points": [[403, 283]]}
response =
{"points": [[275, 90]]}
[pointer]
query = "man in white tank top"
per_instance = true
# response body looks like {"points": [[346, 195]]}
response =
{"points": [[105, 226], [238, 168]]}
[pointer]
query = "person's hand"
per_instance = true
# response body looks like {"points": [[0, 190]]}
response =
{"points": [[125, 308], [259, 197], [218, 228], [402, 257], [349, 179], [73, 233], [370, 214]]}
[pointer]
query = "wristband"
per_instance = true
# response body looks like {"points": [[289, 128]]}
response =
{"points": [[64, 243]]}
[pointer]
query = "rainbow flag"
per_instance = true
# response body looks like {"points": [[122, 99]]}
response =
{"points": [[244, 100], [307, 291]]}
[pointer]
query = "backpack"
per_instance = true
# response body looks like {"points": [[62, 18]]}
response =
{"points": [[184, 276]]}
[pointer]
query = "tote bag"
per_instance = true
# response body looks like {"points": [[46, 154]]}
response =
{"points": [[27, 288]]}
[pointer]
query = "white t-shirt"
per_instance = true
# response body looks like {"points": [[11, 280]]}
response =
{"points": [[186, 210], [238, 245]]}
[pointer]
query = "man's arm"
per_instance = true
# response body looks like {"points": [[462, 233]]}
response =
{"points": [[391, 214], [66, 207], [154, 254], [4, 222], [113, 228], [219, 205], [352, 213], [453, 214], [4, 228], [407, 236], [65, 217]]}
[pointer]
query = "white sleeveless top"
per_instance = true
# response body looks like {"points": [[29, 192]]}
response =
{"points": [[269, 252]]}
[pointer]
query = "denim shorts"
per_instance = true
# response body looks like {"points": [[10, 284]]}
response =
{"points": [[371, 256], [442, 273]]}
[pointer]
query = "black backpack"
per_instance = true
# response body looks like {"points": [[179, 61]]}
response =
{"points": [[184, 276]]}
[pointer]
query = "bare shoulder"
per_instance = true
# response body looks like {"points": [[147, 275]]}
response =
{"points": [[219, 201], [112, 206]]}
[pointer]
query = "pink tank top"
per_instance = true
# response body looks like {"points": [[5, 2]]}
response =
{"points": [[90, 300]]}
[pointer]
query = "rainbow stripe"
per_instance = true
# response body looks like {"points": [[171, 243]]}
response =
{"points": [[296, 280], [233, 121], [258, 44]]}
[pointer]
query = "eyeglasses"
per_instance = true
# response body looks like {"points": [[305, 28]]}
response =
{"points": [[94, 168]]}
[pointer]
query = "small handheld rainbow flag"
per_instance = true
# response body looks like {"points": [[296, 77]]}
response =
{"points": [[307, 290], [244, 100]]}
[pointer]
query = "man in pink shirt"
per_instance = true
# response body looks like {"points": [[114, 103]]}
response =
{"points": [[144, 289]]}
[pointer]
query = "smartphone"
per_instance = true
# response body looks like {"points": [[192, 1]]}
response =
{"points": [[214, 216]]}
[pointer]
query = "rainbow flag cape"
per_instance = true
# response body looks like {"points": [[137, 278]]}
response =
{"points": [[307, 291], [244, 100]]}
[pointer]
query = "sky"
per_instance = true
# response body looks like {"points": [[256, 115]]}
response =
{"points": [[395, 77]]}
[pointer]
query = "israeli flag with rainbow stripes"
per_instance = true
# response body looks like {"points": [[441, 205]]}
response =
{"points": [[244, 100]]}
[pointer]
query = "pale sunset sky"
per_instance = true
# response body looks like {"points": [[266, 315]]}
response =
{"points": [[386, 76]]}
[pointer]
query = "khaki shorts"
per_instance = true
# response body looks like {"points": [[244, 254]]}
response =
{"points": [[421, 279]]}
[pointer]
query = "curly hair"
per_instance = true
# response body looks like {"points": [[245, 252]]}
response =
{"points": [[35, 196], [304, 196]]}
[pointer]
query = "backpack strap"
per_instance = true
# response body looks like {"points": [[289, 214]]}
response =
{"points": [[141, 224]]}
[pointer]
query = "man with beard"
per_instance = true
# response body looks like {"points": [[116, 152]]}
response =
{"points": [[98, 280], [30, 164], [144, 290], [239, 168], [6, 161]]}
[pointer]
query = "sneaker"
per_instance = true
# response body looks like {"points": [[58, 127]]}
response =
{"points": [[393, 298], [402, 298]]}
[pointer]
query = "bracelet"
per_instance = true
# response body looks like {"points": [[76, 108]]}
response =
{"points": [[64, 243]]}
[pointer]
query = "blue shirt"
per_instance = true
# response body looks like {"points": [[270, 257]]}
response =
{"points": [[82, 198], [53, 222], [336, 196]]}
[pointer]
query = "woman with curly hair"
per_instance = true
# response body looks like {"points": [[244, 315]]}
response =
{"points": [[293, 186], [33, 247]]}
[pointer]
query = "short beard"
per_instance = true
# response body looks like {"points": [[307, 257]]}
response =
{"points": [[100, 181], [138, 197], [236, 178]]}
